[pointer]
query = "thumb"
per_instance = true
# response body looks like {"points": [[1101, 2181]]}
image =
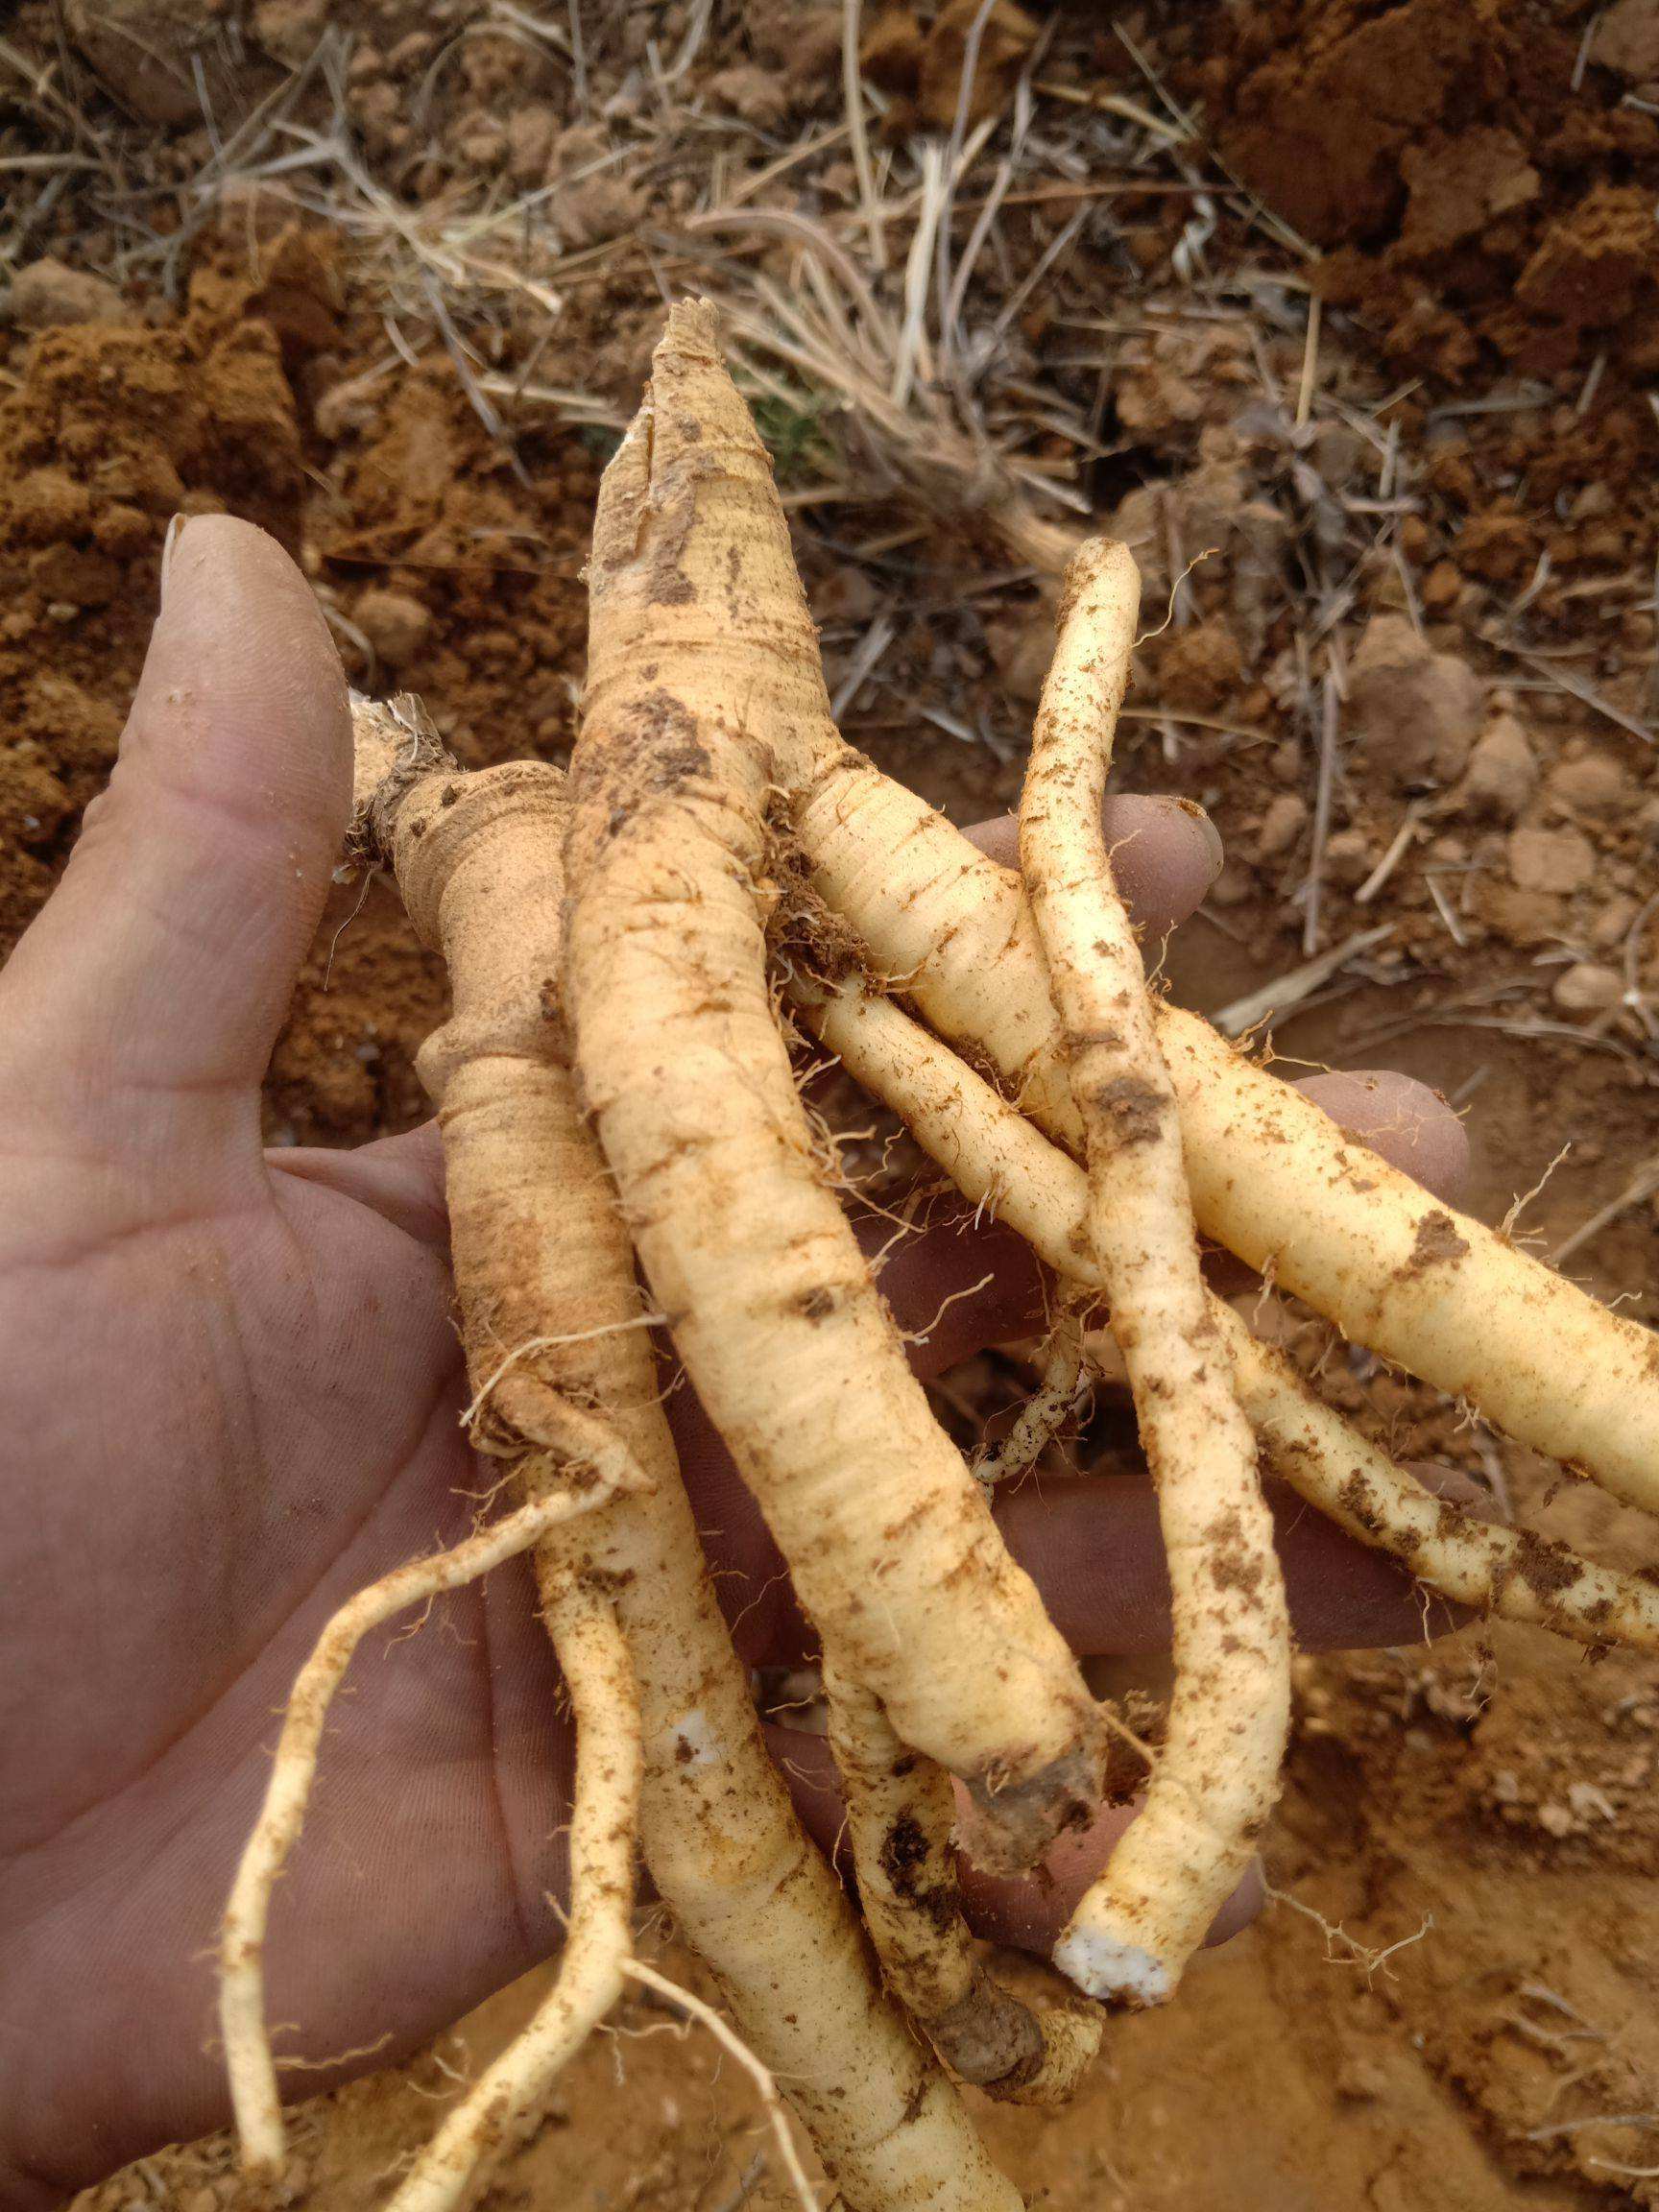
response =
{"points": [[144, 1000]]}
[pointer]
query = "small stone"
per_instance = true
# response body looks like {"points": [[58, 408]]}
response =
{"points": [[1627, 40], [1006, 36], [1590, 1803], [1502, 772], [756, 94], [813, 36], [481, 144], [1555, 1820], [597, 207], [413, 50], [1232, 886], [1442, 587], [1557, 861], [1593, 785], [846, 594], [1519, 917], [1585, 988], [47, 294], [1414, 711], [1022, 650], [497, 68], [146, 53], [1281, 825], [1337, 450], [1458, 189], [1348, 857], [397, 626], [530, 134], [1362, 2081], [33, 804], [290, 29], [1612, 925], [1199, 668]]}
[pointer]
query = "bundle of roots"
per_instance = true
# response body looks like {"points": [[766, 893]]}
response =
{"points": [[619, 1105]]}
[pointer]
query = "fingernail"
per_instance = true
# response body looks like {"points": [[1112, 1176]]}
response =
{"points": [[1211, 836], [170, 538]]}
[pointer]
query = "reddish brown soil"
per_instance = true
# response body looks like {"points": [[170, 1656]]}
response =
{"points": [[1484, 188], [1478, 222]]}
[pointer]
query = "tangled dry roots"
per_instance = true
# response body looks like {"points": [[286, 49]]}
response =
{"points": [[616, 1093]]}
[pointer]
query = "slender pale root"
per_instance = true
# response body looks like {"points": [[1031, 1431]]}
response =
{"points": [[1215, 1783], [701, 657], [900, 1814], [253, 2071], [604, 1828], [1270, 1175], [996, 1158], [553, 1318], [1065, 1382]]}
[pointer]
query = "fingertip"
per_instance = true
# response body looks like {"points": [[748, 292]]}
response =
{"points": [[166, 957], [1166, 854], [1410, 1124], [1241, 1909], [242, 689]]}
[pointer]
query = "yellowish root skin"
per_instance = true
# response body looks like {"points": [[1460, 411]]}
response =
{"points": [[478, 860], [998, 1160], [1215, 1783], [1270, 1176], [901, 1814], [702, 656]]}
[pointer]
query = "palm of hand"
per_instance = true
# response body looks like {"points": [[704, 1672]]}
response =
{"points": [[236, 1411], [232, 1398]]}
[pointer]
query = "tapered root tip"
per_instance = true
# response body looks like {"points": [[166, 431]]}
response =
{"points": [[691, 431], [693, 326], [1101, 568], [1111, 1971]]}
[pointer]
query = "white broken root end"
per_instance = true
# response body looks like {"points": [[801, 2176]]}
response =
{"points": [[1113, 1971]]}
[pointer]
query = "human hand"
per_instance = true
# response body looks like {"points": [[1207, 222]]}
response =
{"points": [[233, 1392]]}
